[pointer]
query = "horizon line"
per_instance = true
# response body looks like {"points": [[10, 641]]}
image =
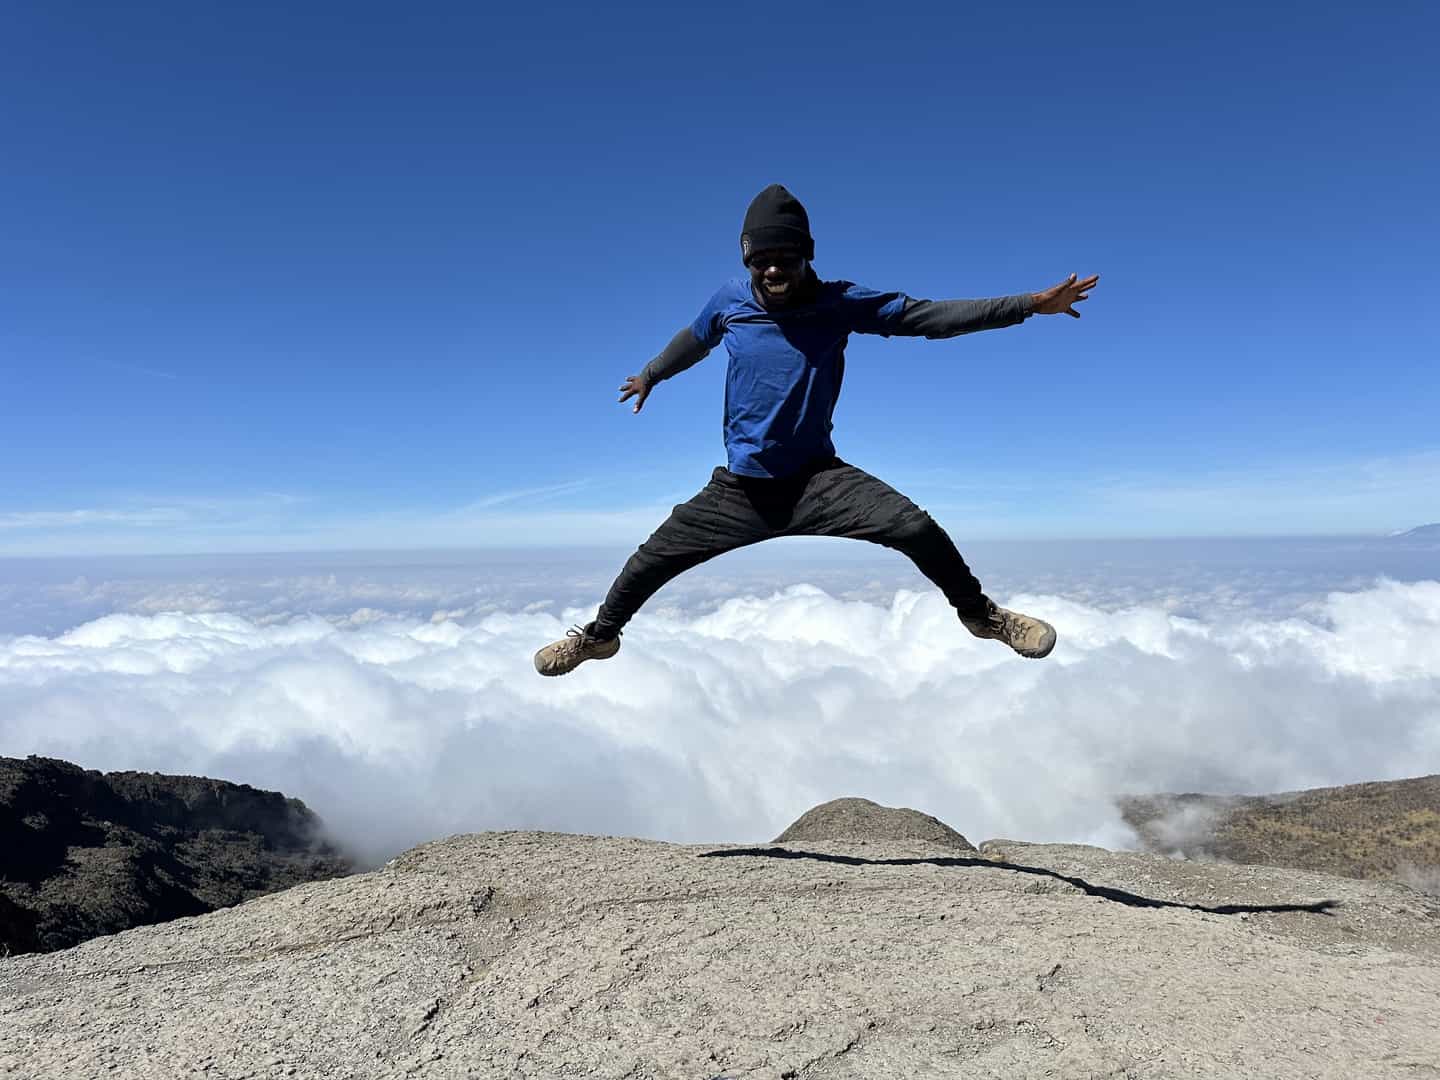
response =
{"points": [[610, 548]]}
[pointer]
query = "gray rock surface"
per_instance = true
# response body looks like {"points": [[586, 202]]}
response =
{"points": [[861, 819], [545, 955]]}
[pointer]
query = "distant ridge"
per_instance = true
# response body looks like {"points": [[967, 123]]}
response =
{"points": [[84, 853], [1420, 532], [1377, 830]]}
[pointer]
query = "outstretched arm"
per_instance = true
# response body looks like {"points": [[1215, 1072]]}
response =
{"points": [[682, 352], [950, 318]]}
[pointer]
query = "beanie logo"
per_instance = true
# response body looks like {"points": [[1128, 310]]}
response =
{"points": [[745, 246]]}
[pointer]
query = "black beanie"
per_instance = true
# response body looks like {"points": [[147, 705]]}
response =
{"points": [[775, 219]]}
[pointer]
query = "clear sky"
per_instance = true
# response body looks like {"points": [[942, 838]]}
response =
{"points": [[298, 276]]}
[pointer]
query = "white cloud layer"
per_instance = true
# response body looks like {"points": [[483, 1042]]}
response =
{"points": [[726, 725]]}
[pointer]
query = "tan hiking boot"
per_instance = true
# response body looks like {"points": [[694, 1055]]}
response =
{"points": [[1027, 636], [574, 649]]}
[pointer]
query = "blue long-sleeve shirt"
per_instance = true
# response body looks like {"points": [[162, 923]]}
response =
{"points": [[787, 363]]}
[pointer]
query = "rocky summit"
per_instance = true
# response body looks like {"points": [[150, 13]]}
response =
{"points": [[843, 819], [85, 853], [547, 955]]}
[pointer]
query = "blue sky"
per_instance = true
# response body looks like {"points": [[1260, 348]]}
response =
{"points": [[304, 276]]}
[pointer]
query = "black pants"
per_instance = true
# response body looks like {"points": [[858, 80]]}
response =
{"points": [[828, 498]]}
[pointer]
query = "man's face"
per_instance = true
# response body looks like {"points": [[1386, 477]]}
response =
{"points": [[777, 273]]}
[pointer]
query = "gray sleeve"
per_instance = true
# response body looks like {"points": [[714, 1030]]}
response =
{"points": [[682, 352], [950, 318]]}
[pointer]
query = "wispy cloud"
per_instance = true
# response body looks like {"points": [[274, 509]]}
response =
{"points": [[1373, 495], [536, 494], [1397, 489], [71, 519], [227, 505], [150, 515], [213, 526], [1376, 494]]}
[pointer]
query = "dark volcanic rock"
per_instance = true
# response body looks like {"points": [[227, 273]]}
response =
{"points": [[861, 819], [17, 928], [84, 853]]}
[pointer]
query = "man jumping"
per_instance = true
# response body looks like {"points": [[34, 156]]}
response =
{"points": [[785, 331]]}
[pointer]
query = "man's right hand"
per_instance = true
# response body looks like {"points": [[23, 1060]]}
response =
{"points": [[635, 387], [1063, 297]]}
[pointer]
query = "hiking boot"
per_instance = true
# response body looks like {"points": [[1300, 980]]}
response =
{"points": [[574, 649], [1027, 636]]}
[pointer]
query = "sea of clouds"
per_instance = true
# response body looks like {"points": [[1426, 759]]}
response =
{"points": [[395, 693]]}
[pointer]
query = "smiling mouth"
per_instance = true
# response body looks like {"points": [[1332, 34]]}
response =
{"points": [[777, 286]]}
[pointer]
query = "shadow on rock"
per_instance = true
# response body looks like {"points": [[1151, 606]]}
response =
{"points": [[1120, 896]]}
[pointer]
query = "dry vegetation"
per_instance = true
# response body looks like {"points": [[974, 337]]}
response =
{"points": [[1386, 829]]}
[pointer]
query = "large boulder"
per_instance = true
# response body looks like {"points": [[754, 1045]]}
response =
{"points": [[869, 822]]}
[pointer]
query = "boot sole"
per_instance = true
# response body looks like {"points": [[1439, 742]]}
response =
{"points": [[1046, 647], [566, 671]]}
